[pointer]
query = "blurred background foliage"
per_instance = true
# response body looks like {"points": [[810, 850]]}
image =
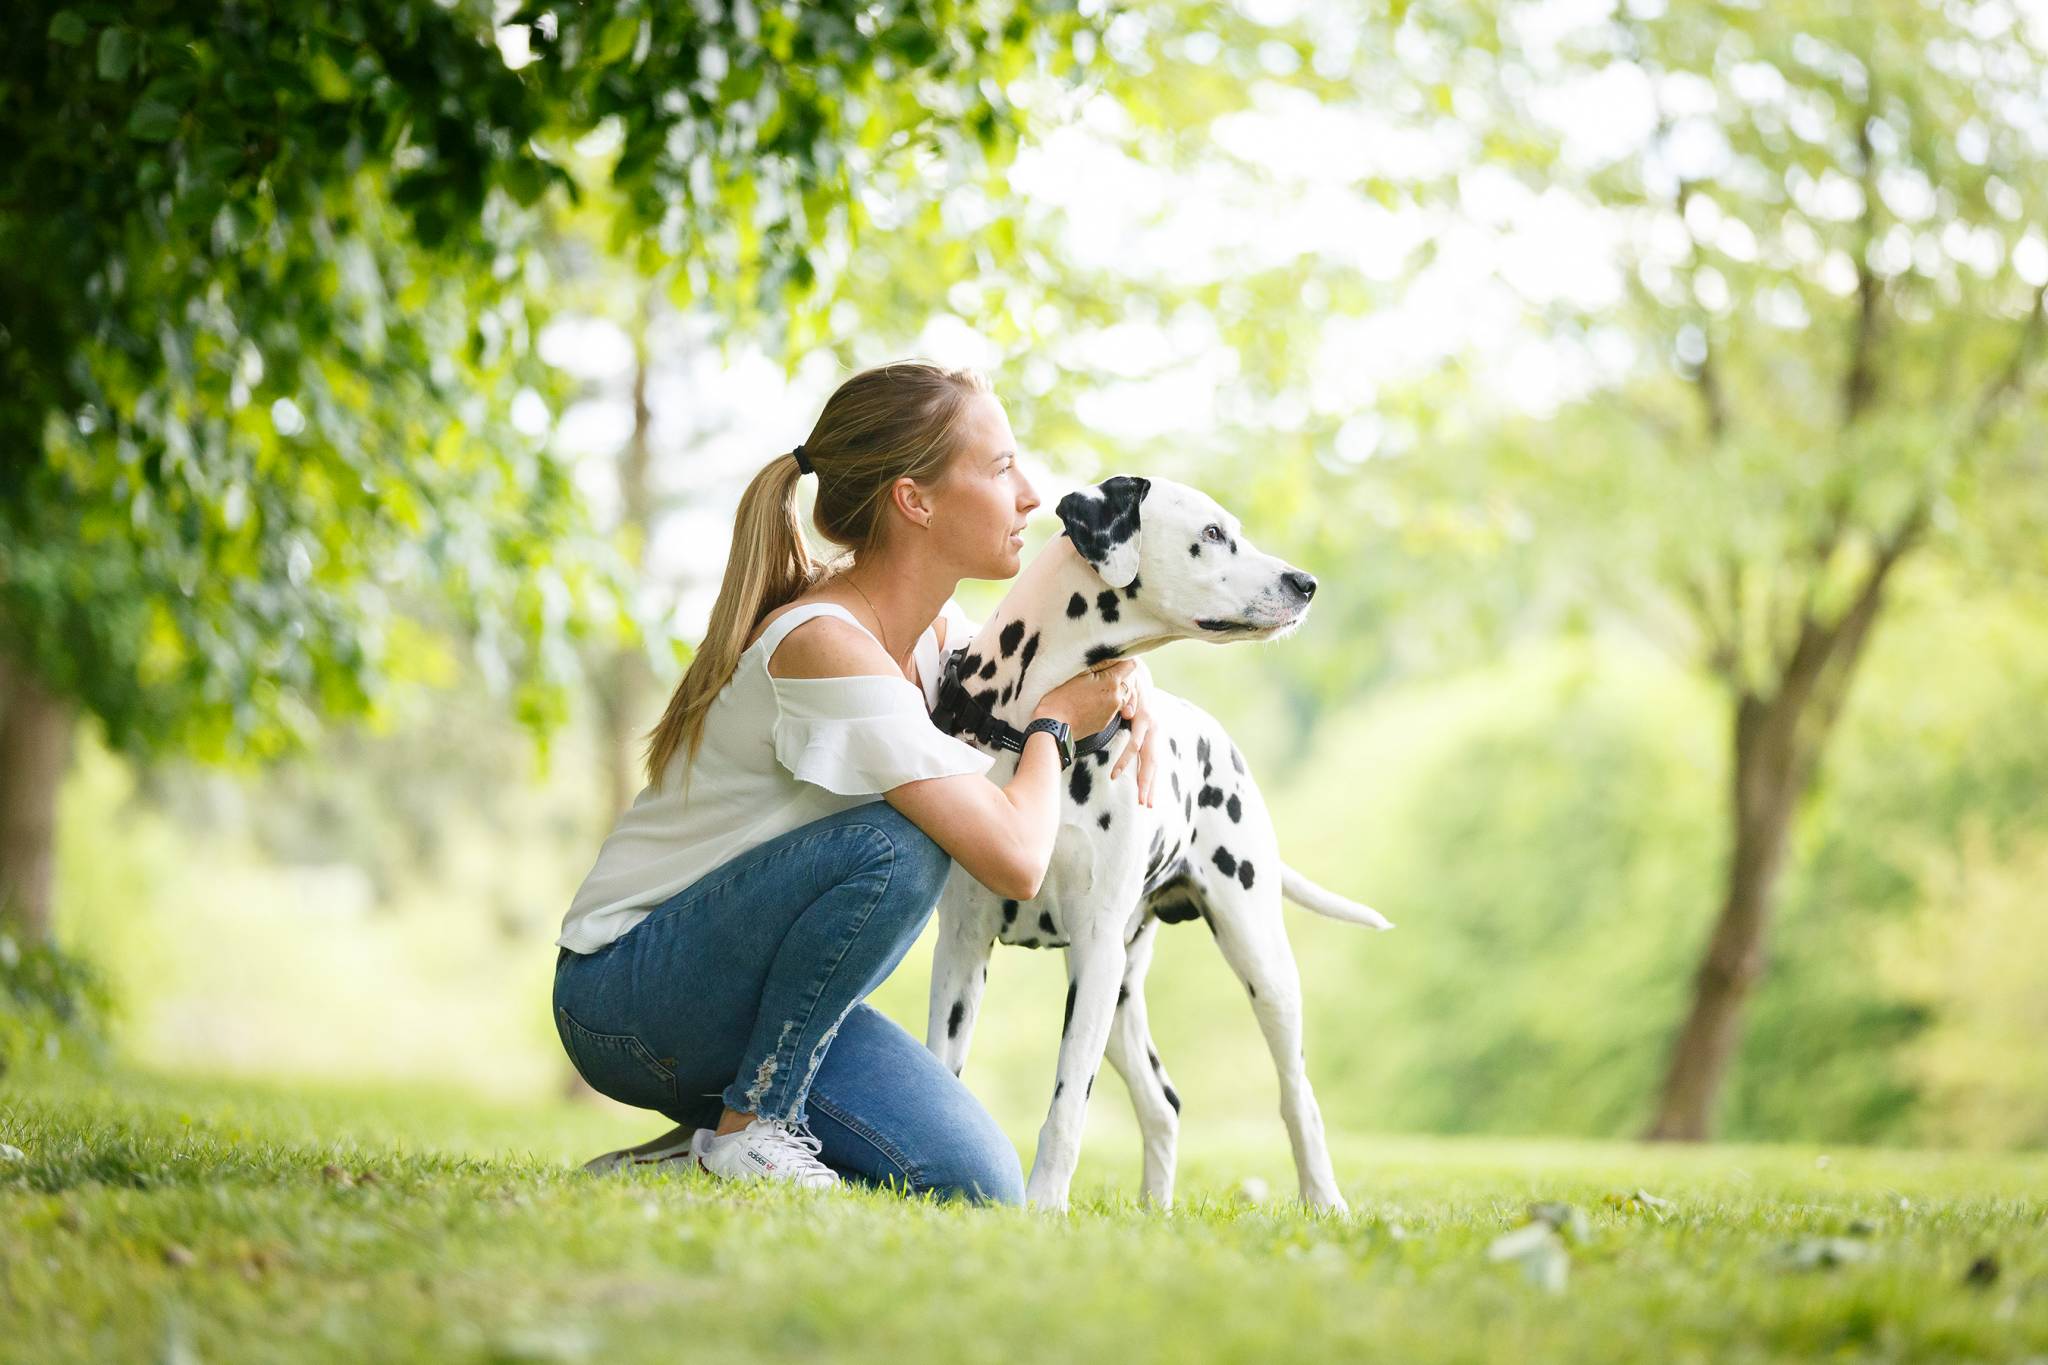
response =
{"points": [[377, 376]]}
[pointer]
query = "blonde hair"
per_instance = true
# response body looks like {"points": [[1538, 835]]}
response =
{"points": [[893, 421]]}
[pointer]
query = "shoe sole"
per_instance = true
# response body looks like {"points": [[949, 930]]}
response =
{"points": [[612, 1161]]}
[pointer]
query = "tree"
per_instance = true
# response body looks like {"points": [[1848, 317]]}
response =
{"points": [[1821, 358], [267, 295]]}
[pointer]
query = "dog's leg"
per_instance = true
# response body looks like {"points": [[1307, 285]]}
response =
{"points": [[1095, 965], [1254, 942], [959, 970], [1132, 1053]]}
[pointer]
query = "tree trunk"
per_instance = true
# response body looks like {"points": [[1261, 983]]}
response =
{"points": [[1762, 796], [622, 694], [35, 749], [1777, 741]]}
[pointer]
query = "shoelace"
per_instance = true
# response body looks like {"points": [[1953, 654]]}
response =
{"points": [[801, 1145]]}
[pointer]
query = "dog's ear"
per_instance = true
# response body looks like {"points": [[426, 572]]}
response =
{"points": [[1102, 521]]}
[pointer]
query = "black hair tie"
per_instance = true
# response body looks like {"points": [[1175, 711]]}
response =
{"points": [[803, 466]]}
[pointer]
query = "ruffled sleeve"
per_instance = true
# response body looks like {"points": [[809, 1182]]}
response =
{"points": [[863, 735]]}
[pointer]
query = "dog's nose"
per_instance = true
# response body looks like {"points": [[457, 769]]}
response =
{"points": [[1305, 584]]}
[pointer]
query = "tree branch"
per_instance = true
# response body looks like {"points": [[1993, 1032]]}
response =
{"points": [[1861, 381]]}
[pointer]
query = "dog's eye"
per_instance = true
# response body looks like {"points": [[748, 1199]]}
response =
{"points": [[1212, 532]]}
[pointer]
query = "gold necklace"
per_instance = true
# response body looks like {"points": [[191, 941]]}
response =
{"points": [[878, 616]]}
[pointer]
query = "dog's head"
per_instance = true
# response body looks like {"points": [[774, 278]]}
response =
{"points": [[1185, 560]]}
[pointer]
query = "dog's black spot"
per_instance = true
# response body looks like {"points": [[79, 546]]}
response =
{"points": [[1077, 606], [1058, 1086], [1244, 873], [1101, 757], [1091, 1087], [986, 697], [1105, 602], [1209, 796], [1006, 692], [1024, 660], [1195, 550], [1174, 778], [1028, 943], [1224, 862], [1233, 547], [1012, 636], [1123, 993], [988, 670], [1154, 1058], [1171, 1098], [1080, 784], [984, 971], [1236, 760], [1176, 912], [1132, 590], [1064, 1023], [1187, 806], [1045, 922], [1173, 744], [1253, 989], [1009, 912], [969, 664], [1103, 820], [1158, 851], [1101, 654], [1235, 808], [953, 1019]]}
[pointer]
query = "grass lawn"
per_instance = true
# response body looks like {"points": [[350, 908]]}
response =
{"points": [[153, 1217]]}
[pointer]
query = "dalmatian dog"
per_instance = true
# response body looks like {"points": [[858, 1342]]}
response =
{"points": [[1117, 583]]}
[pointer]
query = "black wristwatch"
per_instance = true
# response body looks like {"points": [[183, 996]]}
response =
{"points": [[1058, 729]]}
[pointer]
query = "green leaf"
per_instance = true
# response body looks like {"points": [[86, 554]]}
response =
{"points": [[116, 52], [330, 82], [154, 121], [620, 33], [67, 28]]}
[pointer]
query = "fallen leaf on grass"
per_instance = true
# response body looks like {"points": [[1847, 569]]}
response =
{"points": [[1820, 1253], [1660, 1209], [1561, 1217], [1540, 1252]]}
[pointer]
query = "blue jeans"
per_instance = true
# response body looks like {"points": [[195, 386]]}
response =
{"points": [[745, 990]]}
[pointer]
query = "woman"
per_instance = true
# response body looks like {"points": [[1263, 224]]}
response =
{"points": [[802, 814]]}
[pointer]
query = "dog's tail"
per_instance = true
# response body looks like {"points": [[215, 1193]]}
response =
{"points": [[1309, 896]]}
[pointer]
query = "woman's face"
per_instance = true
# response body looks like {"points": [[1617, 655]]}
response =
{"points": [[979, 508]]}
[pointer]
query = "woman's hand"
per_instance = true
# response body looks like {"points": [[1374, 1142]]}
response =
{"points": [[1138, 716]]}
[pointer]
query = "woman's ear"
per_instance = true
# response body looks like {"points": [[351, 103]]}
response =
{"points": [[1102, 521]]}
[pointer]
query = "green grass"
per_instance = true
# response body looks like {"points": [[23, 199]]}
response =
{"points": [[154, 1217]]}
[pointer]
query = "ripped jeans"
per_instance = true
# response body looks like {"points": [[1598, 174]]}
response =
{"points": [[746, 988]]}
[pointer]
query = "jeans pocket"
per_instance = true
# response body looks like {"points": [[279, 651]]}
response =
{"points": [[617, 1065]]}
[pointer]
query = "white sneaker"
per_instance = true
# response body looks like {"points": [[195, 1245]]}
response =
{"points": [[676, 1144], [768, 1149]]}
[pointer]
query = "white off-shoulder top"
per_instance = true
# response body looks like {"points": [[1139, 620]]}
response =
{"points": [[777, 753]]}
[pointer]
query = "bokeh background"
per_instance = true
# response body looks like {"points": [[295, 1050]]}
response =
{"points": [[1654, 389]]}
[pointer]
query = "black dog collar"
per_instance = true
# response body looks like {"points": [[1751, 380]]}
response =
{"points": [[958, 713]]}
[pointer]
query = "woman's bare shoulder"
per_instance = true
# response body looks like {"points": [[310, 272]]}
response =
{"points": [[823, 647]]}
